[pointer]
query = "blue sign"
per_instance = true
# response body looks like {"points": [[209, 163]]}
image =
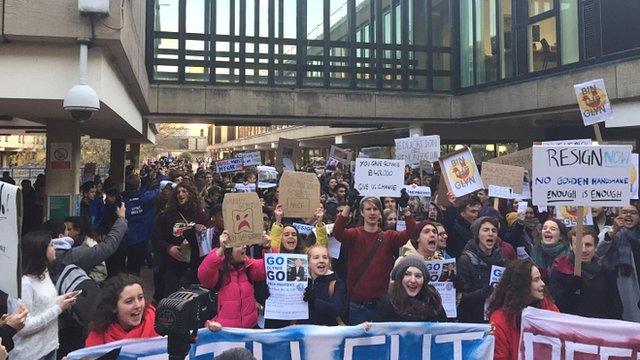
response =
{"points": [[383, 341]]}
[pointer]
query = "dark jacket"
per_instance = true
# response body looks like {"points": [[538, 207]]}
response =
{"points": [[385, 312], [598, 296], [6, 333], [299, 274], [140, 206], [474, 273], [325, 309], [459, 231]]}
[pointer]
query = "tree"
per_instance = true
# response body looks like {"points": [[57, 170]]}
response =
{"points": [[186, 156], [166, 131], [95, 150]]}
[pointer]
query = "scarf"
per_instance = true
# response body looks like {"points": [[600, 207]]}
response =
{"points": [[544, 255], [115, 332]]}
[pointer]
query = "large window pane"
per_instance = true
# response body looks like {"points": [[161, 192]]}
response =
{"points": [[539, 6], [486, 41], [620, 25], [166, 15], [466, 43], [506, 40], [223, 15], [315, 14], [289, 18], [338, 20], [441, 20], [418, 21], [195, 16], [569, 37], [542, 45]]}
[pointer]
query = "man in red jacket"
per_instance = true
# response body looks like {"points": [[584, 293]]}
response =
{"points": [[368, 264]]}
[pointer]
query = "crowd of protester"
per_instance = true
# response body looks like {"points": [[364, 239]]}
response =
{"points": [[380, 275]]}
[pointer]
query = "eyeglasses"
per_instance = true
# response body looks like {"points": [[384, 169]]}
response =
{"points": [[628, 212]]}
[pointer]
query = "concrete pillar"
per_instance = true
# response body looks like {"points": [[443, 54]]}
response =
{"points": [[134, 155], [117, 162], [62, 168], [415, 131], [4, 159]]}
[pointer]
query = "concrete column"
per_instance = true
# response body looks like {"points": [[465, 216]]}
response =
{"points": [[134, 155], [415, 131], [62, 167], [4, 159], [117, 162]]}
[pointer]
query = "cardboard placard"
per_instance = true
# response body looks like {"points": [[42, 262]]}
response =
{"points": [[10, 228], [581, 175], [518, 158], [416, 148], [242, 214], [379, 177], [288, 154], [503, 175], [299, 194], [460, 172], [342, 155], [593, 102]]}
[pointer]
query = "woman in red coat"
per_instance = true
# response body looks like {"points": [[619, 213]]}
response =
{"points": [[231, 271], [122, 312], [520, 286]]}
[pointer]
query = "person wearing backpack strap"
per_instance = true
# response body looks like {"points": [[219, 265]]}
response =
{"points": [[371, 254]]}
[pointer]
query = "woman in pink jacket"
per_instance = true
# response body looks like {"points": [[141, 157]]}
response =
{"points": [[231, 271]]}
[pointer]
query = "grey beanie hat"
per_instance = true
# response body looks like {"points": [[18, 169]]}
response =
{"points": [[409, 260]]}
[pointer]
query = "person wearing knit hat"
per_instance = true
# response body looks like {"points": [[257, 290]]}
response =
{"points": [[423, 243], [474, 269], [410, 296]]}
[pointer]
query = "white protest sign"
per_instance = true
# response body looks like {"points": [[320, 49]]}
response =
{"points": [[419, 191], [267, 177], [441, 270], [229, 165], [521, 252], [569, 216], [287, 276], [460, 172], [252, 158], [496, 275], [416, 148], [242, 187], [500, 192], [303, 229], [593, 101], [526, 192], [568, 142], [341, 155], [633, 168], [448, 296], [522, 207], [581, 175], [334, 245], [401, 225], [379, 177], [10, 254]]}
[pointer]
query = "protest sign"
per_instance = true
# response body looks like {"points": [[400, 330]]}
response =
{"points": [[522, 207], [569, 216], [567, 142], [205, 240], [496, 275], [503, 175], [593, 101], [242, 187], [581, 175], [396, 340], [10, 228], [331, 164], [242, 214], [333, 245], [287, 155], [267, 177], [521, 158], [441, 275], [252, 158], [460, 172], [401, 225], [342, 155], [379, 177], [303, 229], [299, 194], [500, 192], [552, 335], [287, 276], [633, 177], [419, 191], [229, 165], [448, 296], [416, 148], [521, 253]]}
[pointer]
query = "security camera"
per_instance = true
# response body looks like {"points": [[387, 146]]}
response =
{"points": [[81, 102]]}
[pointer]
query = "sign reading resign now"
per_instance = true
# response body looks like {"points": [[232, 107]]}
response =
{"points": [[581, 175]]}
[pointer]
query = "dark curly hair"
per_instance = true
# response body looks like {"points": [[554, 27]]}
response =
{"points": [[514, 289], [193, 203], [427, 304], [105, 313]]}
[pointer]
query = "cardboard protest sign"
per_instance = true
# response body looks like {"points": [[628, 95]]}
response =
{"points": [[287, 155], [342, 155], [379, 177], [633, 177], [242, 214], [519, 158], [10, 228], [267, 177], [500, 192], [416, 148], [229, 165], [581, 175], [593, 101], [503, 175], [299, 193], [460, 172]]}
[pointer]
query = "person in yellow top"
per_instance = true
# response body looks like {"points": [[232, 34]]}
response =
{"points": [[286, 239]]}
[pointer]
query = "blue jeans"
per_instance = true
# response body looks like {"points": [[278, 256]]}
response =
{"points": [[50, 356], [359, 313]]}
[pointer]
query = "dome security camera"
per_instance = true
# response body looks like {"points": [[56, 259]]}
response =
{"points": [[81, 102]]}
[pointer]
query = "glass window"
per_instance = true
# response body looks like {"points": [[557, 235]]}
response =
{"points": [[506, 39], [441, 22], [166, 15], [338, 20], [223, 15], [542, 45], [569, 37], [315, 23], [289, 18], [620, 25], [466, 43], [539, 6], [486, 41], [250, 16], [195, 16], [418, 22]]}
